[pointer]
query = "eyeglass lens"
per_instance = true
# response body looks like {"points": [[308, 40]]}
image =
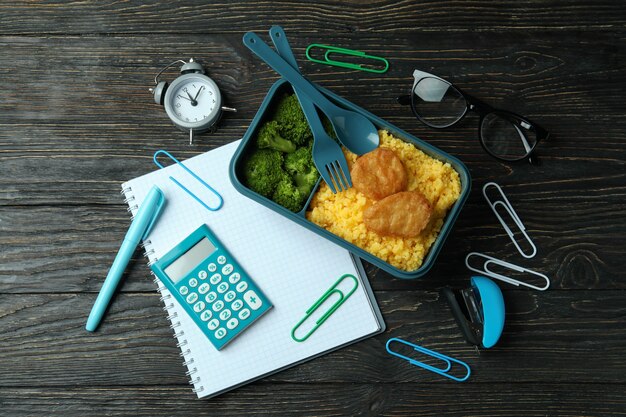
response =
{"points": [[437, 102], [506, 136]]}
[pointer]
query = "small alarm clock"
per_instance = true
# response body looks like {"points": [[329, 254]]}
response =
{"points": [[193, 100]]}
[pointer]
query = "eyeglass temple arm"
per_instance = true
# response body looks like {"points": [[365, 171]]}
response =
{"points": [[522, 137], [542, 134]]}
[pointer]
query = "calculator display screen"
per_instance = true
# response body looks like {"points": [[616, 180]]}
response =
{"points": [[178, 269]]}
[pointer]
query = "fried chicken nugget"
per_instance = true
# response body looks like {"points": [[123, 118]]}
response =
{"points": [[403, 214], [379, 173]]}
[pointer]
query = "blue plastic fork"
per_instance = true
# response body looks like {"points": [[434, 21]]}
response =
{"points": [[327, 154]]}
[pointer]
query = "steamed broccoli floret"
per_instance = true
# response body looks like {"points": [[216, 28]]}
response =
{"points": [[291, 120], [269, 137], [299, 161], [300, 166], [287, 135], [263, 170], [288, 195]]}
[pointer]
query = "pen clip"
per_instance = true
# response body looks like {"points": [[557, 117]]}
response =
{"points": [[159, 208]]}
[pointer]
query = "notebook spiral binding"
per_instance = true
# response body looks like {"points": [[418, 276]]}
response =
{"points": [[188, 359]]}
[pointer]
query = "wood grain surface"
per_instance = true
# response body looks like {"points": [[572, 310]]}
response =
{"points": [[77, 120]]}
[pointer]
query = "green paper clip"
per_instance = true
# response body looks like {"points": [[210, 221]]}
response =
{"points": [[332, 290], [343, 51]]}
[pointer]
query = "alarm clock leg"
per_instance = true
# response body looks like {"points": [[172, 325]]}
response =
{"points": [[190, 136]]}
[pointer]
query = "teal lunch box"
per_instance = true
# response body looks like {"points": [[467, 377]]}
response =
{"points": [[236, 176]]}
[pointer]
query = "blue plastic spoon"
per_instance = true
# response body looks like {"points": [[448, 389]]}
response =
{"points": [[362, 134]]}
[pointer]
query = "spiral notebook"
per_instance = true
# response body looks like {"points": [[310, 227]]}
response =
{"points": [[293, 267]]}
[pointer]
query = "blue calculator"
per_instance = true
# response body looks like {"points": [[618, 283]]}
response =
{"points": [[211, 286]]}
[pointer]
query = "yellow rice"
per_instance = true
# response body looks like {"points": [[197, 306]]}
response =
{"points": [[342, 213]]}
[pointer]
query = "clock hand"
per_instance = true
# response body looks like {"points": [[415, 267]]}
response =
{"points": [[183, 97], [198, 93], [193, 101]]}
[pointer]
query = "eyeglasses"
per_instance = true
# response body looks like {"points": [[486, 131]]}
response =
{"points": [[504, 135]]}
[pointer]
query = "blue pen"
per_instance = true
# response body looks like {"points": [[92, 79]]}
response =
{"points": [[139, 229]]}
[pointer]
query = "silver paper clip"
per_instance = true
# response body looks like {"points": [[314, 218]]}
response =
{"points": [[490, 260], [518, 222], [193, 174], [441, 371]]}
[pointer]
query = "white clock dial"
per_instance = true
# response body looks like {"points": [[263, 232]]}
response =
{"points": [[194, 100]]}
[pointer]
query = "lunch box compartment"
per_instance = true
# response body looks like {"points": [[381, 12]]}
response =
{"points": [[264, 113]]}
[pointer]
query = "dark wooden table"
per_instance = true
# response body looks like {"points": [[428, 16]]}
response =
{"points": [[76, 120]]}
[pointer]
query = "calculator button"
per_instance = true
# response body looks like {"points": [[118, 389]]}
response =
{"points": [[184, 290], [230, 296], [204, 288], [193, 283], [218, 305], [202, 274], [199, 306], [234, 278], [213, 324], [232, 323], [236, 305], [242, 286], [215, 279], [222, 288], [227, 269], [206, 314], [220, 333], [192, 298], [225, 315], [212, 267], [210, 297], [244, 314], [221, 259], [252, 299]]}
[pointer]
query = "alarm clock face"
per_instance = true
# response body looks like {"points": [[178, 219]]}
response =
{"points": [[193, 101]]}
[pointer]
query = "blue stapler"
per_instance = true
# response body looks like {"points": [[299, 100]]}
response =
{"points": [[479, 311]]}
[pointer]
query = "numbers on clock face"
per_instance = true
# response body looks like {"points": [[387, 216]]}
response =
{"points": [[194, 101]]}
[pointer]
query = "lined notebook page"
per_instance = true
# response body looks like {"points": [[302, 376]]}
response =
{"points": [[291, 265]]}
